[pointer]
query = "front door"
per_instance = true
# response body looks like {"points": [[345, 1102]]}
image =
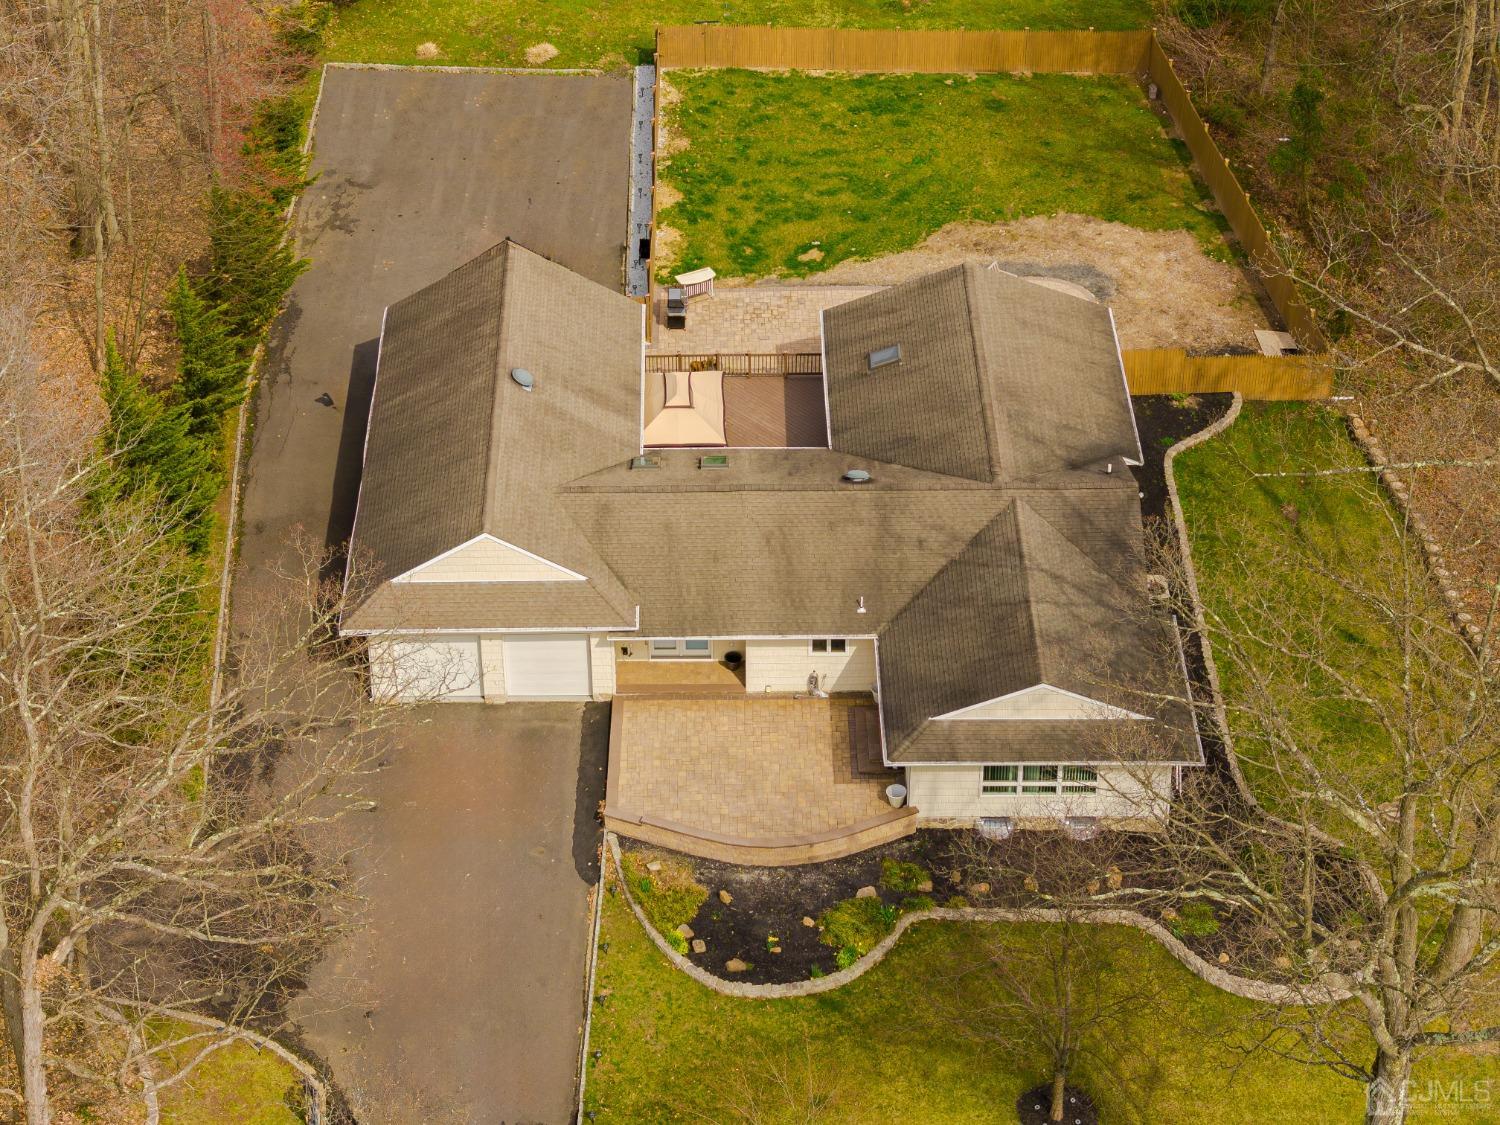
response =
{"points": [[681, 648]]}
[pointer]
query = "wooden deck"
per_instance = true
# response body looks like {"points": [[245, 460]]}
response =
{"points": [[776, 411]]}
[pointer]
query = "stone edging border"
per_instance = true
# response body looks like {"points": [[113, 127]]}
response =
{"points": [[1245, 987], [1190, 572], [1432, 550]]}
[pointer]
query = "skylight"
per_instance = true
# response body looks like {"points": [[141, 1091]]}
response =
{"points": [[882, 357]]}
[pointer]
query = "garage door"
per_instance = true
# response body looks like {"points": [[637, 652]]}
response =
{"points": [[444, 668], [546, 665]]}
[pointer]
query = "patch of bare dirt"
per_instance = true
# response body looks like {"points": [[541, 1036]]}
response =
{"points": [[1165, 291]]}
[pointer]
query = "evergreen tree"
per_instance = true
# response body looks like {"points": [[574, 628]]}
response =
{"points": [[153, 449], [211, 371], [250, 267]]}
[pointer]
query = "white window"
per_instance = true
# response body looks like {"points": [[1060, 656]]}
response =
{"points": [[1039, 779], [829, 644], [882, 357], [999, 779], [681, 648]]}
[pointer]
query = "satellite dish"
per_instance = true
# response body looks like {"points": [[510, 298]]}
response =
{"points": [[524, 379]]}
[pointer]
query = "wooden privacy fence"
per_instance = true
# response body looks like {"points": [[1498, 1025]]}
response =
{"points": [[1135, 53], [741, 363], [896, 51], [1166, 371]]}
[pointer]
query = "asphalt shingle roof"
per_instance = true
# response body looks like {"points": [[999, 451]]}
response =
{"points": [[995, 546]]}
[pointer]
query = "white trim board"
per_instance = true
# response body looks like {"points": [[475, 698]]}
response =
{"points": [[486, 537], [1082, 707]]}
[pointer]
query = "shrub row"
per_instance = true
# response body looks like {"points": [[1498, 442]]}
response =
{"points": [[171, 444]]}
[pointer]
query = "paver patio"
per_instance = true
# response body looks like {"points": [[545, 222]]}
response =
{"points": [[755, 769]]}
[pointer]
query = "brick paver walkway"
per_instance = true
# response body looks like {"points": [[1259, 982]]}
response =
{"points": [[754, 768], [755, 318]]}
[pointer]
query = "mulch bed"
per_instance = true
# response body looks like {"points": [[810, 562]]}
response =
{"points": [[1034, 1107], [767, 901], [1163, 421]]}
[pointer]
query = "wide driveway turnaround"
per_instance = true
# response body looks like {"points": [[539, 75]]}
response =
{"points": [[417, 172], [462, 999]]}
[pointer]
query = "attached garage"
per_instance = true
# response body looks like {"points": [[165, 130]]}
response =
{"points": [[427, 668], [546, 666]]}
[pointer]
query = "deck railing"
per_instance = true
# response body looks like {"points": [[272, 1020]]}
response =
{"points": [[741, 363]]}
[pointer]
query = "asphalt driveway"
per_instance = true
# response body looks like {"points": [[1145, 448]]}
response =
{"points": [[417, 172], [462, 998]]}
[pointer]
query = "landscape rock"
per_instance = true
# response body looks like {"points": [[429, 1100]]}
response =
{"points": [[1113, 877], [865, 892], [735, 965], [685, 930], [654, 866], [700, 946], [1223, 958], [725, 897], [984, 888], [808, 922]]}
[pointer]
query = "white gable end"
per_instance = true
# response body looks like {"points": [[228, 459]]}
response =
{"points": [[1042, 701], [487, 559]]}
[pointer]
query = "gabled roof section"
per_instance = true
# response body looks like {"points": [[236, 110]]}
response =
{"points": [[999, 379], [1022, 604], [457, 449]]}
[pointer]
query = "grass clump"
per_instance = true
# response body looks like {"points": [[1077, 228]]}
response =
{"points": [[904, 878], [669, 896], [1196, 919], [857, 924], [791, 173]]}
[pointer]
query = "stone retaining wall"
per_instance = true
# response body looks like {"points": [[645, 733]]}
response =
{"points": [[1432, 550], [1215, 975]]}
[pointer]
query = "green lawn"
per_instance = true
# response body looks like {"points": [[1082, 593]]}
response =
{"points": [[613, 33], [1252, 539], [238, 1084], [779, 168], [674, 1051]]}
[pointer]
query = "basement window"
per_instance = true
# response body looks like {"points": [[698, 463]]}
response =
{"points": [[884, 357], [830, 644]]}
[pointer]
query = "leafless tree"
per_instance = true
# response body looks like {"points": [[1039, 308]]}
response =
{"points": [[1367, 862], [156, 869], [1047, 985]]}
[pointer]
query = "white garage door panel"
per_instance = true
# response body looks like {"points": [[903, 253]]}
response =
{"points": [[546, 665], [429, 668]]}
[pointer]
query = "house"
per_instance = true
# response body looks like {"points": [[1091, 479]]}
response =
{"points": [[965, 548]]}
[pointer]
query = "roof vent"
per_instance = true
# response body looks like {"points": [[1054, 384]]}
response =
{"points": [[524, 379], [881, 357], [857, 476]]}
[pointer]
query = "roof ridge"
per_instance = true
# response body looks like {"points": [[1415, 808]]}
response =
{"points": [[987, 415], [497, 403]]}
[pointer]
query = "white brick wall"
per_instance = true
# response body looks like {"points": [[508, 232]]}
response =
{"points": [[954, 792], [785, 666]]}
